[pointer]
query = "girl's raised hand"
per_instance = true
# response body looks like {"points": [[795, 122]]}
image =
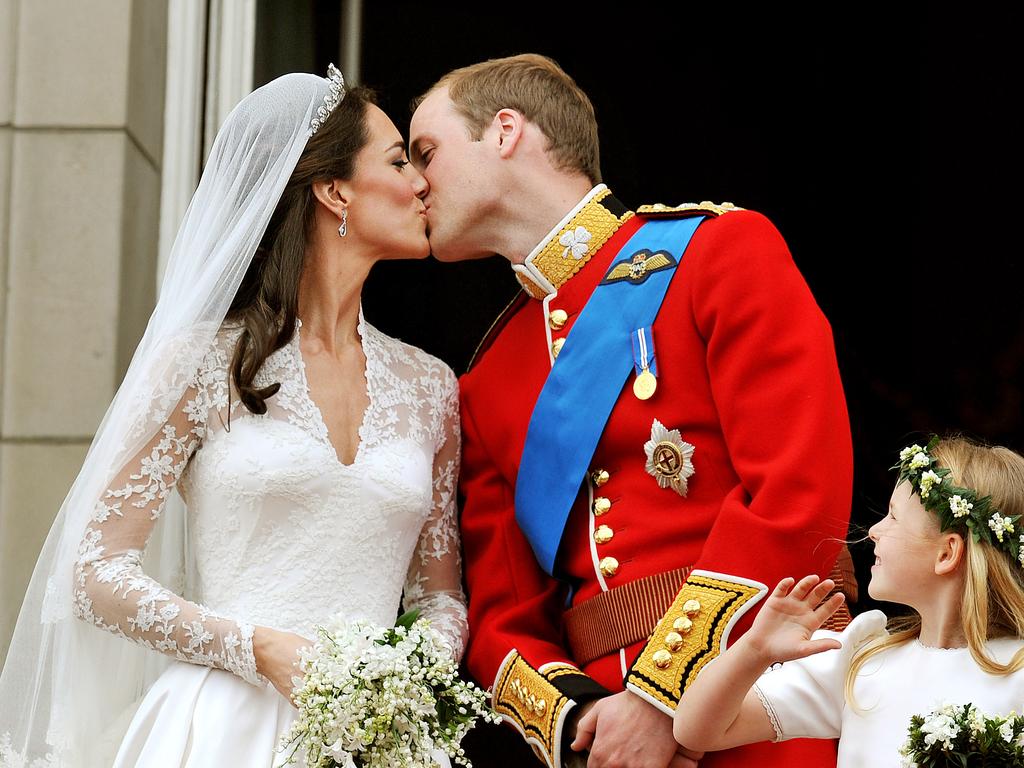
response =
{"points": [[782, 629]]}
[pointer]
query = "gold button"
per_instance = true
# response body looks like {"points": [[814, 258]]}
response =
{"points": [[609, 566], [673, 641], [599, 477], [601, 505], [682, 625], [540, 707], [691, 607], [603, 534], [662, 659], [557, 319], [556, 346]]}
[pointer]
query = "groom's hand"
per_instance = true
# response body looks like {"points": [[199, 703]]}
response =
{"points": [[624, 731]]}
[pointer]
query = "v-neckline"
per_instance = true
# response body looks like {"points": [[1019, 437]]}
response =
{"points": [[315, 409]]}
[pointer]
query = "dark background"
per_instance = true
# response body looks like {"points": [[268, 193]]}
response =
{"points": [[884, 145]]}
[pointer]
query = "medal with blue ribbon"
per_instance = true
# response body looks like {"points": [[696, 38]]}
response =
{"points": [[646, 382]]}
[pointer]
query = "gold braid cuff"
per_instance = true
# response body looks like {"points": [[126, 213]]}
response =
{"points": [[530, 701], [693, 632]]}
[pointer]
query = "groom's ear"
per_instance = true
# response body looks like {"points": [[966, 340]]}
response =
{"points": [[332, 195], [508, 126]]}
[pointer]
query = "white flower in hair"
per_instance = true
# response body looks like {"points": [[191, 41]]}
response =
{"points": [[920, 459], [928, 479], [1020, 559], [575, 242], [1000, 525], [909, 451], [959, 506]]}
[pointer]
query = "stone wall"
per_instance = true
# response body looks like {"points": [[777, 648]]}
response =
{"points": [[81, 129]]}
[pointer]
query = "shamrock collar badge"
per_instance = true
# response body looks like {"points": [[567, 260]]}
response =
{"points": [[669, 458], [576, 242]]}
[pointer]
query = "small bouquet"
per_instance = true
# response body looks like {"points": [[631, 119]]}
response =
{"points": [[376, 697], [961, 736]]}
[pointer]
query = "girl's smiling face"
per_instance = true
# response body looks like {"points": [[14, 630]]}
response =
{"points": [[907, 544]]}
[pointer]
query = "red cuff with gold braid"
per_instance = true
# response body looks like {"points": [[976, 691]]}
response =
{"points": [[537, 702], [693, 632]]}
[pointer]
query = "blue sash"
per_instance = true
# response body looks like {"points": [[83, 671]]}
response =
{"points": [[586, 381]]}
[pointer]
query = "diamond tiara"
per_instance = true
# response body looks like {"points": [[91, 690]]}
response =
{"points": [[336, 84]]}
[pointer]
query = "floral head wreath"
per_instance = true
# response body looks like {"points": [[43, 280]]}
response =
{"points": [[335, 93], [959, 509]]}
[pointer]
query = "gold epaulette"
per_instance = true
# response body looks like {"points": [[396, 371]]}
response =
{"points": [[530, 702], [693, 632], [706, 208]]}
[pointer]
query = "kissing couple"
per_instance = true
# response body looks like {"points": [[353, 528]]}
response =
{"points": [[653, 430]]}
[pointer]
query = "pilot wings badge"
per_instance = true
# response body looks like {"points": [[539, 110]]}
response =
{"points": [[638, 267]]}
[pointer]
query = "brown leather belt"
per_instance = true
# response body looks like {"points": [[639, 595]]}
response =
{"points": [[621, 616], [629, 613]]}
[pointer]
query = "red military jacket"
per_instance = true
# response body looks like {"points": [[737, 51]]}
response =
{"points": [[747, 374]]}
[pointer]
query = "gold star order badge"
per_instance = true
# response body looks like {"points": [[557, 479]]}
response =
{"points": [[669, 458]]}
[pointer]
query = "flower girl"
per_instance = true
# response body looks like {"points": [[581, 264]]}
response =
{"points": [[951, 549]]}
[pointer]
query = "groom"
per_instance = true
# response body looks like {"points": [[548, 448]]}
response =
{"points": [[654, 431]]}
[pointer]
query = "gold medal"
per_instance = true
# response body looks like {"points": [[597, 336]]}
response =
{"points": [[645, 385]]}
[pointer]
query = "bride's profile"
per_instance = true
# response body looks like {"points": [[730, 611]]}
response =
{"points": [[317, 458]]}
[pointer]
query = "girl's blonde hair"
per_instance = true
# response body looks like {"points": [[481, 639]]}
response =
{"points": [[992, 604]]}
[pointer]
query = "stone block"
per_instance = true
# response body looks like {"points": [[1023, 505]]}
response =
{"points": [[34, 479], [5, 186], [72, 63], [8, 48], [147, 74], [67, 204], [139, 240]]}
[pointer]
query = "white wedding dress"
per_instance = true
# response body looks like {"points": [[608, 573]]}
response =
{"points": [[280, 533]]}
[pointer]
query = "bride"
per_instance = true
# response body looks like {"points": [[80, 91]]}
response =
{"points": [[317, 458]]}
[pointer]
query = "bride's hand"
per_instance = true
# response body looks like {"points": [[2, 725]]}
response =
{"points": [[277, 657]]}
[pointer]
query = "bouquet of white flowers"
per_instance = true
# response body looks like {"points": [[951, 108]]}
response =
{"points": [[961, 736], [381, 697]]}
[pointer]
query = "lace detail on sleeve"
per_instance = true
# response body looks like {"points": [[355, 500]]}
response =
{"points": [[770, 711], [111, 590], [434, 583]]}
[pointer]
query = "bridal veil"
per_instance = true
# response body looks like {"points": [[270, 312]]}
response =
{"points": [[68, 689]]}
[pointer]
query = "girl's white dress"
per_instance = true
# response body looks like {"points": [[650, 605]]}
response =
{"points": [[805, 698], [280, 533]]}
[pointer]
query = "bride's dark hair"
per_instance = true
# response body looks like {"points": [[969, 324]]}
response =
{"points": [[266, 303]]}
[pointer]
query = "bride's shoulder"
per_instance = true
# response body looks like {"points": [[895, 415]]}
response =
{"points": [[198, 352], [407, 361]]}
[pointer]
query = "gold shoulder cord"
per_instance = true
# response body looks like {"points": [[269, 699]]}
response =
{"points": [[705, 208]]}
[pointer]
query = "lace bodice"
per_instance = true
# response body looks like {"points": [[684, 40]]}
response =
{"points": [[280, 532]]}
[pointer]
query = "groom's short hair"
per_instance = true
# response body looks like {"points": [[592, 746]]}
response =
{"points": [[546, 96]]}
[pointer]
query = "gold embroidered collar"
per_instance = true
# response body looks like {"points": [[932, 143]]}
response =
{"points": [[572, 243]]}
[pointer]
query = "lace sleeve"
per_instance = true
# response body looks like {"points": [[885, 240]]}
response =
{"points": [[434, 583], [111, 590]]}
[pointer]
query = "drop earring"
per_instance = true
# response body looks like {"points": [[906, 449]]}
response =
{"points": [[343, 229]]}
